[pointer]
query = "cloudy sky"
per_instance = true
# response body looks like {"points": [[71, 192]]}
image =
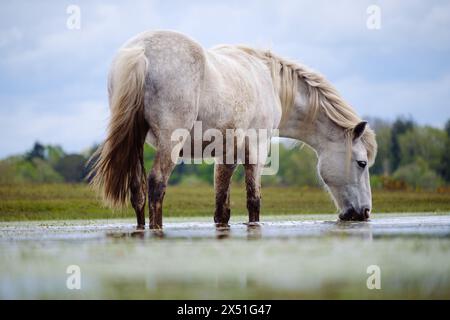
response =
{"points": [[53, 78]]}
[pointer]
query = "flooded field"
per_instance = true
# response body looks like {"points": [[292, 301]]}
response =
{"points": [[298, 256]]}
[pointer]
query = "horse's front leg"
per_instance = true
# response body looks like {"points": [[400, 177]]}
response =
{"points": [[157, 183], [222, 179], [253, 186]]}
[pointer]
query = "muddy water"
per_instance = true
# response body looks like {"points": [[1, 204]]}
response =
{"points": [[310, 256]]}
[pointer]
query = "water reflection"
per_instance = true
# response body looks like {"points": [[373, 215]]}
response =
{"points": [[137, 234], [254, 231], [222, 232], [158, 234], [413, 227], [361, 230]]}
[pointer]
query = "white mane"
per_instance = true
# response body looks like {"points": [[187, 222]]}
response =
{"points": [[322, 95]]}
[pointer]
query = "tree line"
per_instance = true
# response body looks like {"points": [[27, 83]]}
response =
{"points": [[410, 156]]}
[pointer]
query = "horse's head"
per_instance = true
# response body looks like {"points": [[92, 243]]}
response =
{"points": [[345, 172]]}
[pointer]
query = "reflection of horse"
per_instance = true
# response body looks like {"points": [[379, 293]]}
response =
{"points": [[162, 81]]}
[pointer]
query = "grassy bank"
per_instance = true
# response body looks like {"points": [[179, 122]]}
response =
{"points": [[77, 201]]}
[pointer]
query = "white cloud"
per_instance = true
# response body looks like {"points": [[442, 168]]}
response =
{"points": [[426, 100], [103, 28], [78, 127]]}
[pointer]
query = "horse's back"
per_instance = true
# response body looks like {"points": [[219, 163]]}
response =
{"points": [[238, 89], [223, 87], [174, 59]]}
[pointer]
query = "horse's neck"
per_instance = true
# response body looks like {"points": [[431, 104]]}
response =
{"points": [[316, 133]]}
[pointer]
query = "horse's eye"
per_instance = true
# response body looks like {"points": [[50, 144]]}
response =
{"points": [[362, 164]]}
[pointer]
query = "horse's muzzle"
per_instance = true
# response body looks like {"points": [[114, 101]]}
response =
{"points": [[351, 214]]}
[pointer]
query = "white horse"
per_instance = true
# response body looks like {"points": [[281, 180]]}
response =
{"points": [[161, 81]]}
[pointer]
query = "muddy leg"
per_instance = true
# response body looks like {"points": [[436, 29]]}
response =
{"points": [[157, 182], [222, 178], [253, 186], [138, 196]]}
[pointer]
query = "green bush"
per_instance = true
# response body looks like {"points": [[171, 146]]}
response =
{"points": [[418, 175], [19, 170]]}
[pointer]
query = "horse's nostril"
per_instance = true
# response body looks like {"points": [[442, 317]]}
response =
{"points": [[366, 213]]}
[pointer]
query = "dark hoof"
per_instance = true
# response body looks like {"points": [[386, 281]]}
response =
{"points": [[222, 225], [253, 224]]}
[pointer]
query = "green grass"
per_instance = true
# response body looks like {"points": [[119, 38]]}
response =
{"points": [[78, 201]]}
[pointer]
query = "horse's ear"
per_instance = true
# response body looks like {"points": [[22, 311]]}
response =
{"points": [[359, 130]]}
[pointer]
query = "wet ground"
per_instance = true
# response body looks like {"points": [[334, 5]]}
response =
{"points": [[300, 256]]}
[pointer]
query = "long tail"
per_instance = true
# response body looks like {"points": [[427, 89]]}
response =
{"points": [[120, 159]]}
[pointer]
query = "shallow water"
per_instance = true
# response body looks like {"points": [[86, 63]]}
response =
{"points": [[300, 256]]}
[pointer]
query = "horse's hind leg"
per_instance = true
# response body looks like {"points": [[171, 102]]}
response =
{"points": [[222, 179], [253, 186], [157, 183], [138, 196]]}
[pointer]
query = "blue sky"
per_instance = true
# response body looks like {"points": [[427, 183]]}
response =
{"points": [[53, 79]]}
